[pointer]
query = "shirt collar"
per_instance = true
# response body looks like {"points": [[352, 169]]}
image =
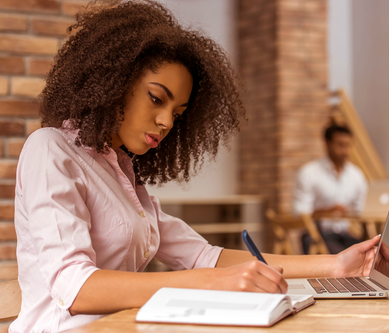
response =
{"points": [[330, 166]]}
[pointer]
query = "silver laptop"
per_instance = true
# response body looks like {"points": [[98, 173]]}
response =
{"points": [[377, 199], [376, 285]]}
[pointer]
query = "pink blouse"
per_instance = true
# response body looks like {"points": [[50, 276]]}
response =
{"points": [[77, 211]]}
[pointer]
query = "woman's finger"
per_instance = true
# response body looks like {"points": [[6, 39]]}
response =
{"points": [[263, 284], [272, 274], [367, 245]]}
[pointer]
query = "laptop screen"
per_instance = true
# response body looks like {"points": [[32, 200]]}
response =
{"points": [[381, 260]]}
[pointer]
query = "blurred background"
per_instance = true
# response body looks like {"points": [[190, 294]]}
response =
{"points": [[291, 56]]}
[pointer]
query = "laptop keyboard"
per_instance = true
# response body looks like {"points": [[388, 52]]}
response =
{"points": [[342, 285]]}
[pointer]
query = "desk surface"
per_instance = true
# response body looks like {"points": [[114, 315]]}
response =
{"points": [[324, 316]]}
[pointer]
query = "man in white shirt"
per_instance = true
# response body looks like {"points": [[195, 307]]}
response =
{"points": [[330, 188]]}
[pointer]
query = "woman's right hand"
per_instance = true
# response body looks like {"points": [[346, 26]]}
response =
{"points": [[254, 276]]}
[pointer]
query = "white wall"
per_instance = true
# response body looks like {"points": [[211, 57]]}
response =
{"points": [[370, 29], [358, 51], [340, 45], [216, 19]]}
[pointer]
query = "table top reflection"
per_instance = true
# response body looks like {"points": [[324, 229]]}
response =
{"points": [[355, 315]]}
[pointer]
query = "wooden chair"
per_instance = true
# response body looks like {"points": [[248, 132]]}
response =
{"points": [[282, 223], [10, 300]]}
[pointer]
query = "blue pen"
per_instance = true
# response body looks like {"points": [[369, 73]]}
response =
{"points": [[251, 246]]}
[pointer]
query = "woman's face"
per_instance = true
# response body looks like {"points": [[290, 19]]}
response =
{"points": [[152, 107]]}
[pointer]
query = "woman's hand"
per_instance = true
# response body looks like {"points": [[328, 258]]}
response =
{"points": [[357, 260], [382, 262], [253, 276]]}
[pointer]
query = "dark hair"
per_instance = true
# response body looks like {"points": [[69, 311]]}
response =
{"points": [[114, 44], [331, 130]]}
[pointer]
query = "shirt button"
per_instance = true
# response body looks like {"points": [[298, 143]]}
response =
{"points": [[61, 302], [146, 254], [142, 214]]}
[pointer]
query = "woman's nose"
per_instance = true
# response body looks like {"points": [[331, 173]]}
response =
{"points": [[165, 119]]}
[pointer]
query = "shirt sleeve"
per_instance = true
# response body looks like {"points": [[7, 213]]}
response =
{"points": [[52, 184], [304, 198], [358, 203], [180, 246]]}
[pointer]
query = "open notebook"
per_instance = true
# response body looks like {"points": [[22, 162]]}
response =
{"points": [[213, 307]]}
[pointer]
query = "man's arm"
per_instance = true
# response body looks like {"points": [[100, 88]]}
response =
{"points": [[303, 196], [334, 211]]}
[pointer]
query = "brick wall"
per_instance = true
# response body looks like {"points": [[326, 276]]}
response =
{"points": [[30, 34], [283, 61], [282, 55]]}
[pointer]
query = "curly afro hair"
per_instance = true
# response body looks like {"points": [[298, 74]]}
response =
{"points": [[112, 45]]}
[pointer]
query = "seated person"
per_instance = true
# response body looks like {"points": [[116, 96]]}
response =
{"points": [[331, 188], [132, 98]]}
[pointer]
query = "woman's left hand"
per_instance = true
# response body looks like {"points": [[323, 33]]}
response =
{"points": [[357, 260]]}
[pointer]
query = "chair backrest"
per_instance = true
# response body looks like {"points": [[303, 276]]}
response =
{"points": [[283, 223], [10, 299]]}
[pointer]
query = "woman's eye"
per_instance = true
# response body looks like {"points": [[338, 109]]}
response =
{"points": [[177, 116], [155, 99]]}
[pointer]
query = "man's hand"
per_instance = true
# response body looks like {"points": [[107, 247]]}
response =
{"points": [[334, 211]]}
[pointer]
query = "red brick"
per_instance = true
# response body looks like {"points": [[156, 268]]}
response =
{"points": [[8, 270], [28, 44], [7, 169], [51, 27], [41, 6], [4, 86], [27, 86], [7, 190], [11, 65], [12, 128], [7, 231], [71, 7], [32, 125], [17, 108], [40, 66], [284, 64], [14, 147], [6, 210], [15, 23], [8, 251]]}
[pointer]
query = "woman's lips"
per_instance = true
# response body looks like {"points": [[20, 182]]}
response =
{"points": [[153, 140]]}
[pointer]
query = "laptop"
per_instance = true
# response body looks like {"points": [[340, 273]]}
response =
{"points": [[376, 285], [377, 199]]}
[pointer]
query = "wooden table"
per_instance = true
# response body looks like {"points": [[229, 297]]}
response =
{"points": [[324, 316]]}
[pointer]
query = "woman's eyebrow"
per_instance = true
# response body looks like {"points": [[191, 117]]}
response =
{"points": [[168, 92]]}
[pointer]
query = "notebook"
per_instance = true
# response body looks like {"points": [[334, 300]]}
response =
{"points": [[214, 307], [376, 285]]}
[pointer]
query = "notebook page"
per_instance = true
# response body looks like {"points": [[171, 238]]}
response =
{"points": [[214, 307], [300, 302]]}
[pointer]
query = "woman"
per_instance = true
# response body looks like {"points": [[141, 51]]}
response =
{"points": [[133, 98]]}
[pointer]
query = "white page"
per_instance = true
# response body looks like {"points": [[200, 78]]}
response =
{"points": [[300, 302], [213, 307]]}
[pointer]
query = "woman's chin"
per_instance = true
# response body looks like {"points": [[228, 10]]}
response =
{"points": [[140, 151]]}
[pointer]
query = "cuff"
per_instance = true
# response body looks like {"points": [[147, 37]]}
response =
{"points": [[208, 257], [69, 282]]}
